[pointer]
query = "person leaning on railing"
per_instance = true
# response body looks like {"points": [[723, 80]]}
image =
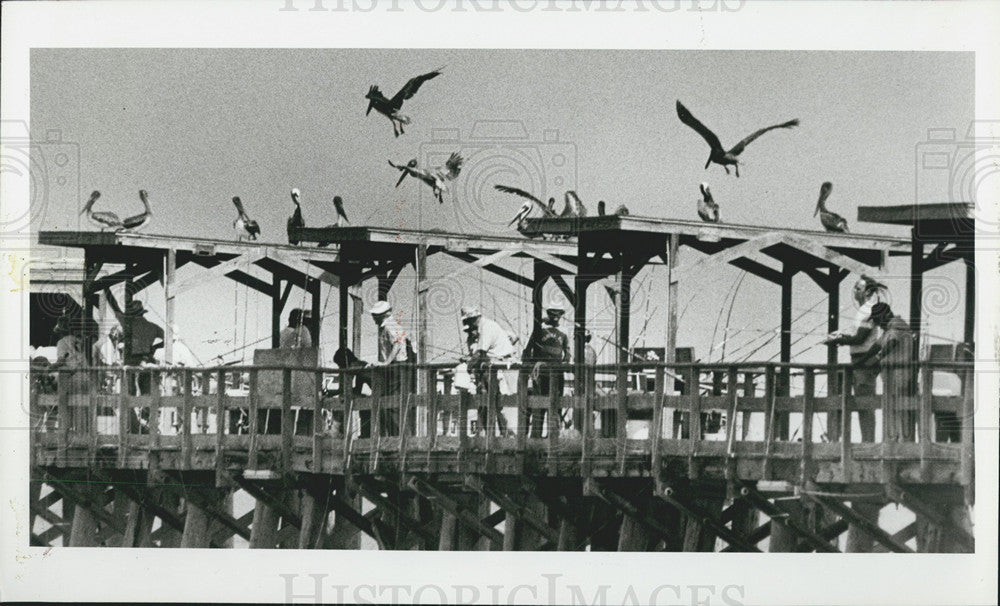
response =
{"points": [[489, 346], [70, 356], [394, 364], [861, 339], [355, 382], [893, 353], [547, 346], [146, 338]]}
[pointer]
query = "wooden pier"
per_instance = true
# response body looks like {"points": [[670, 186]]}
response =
{"points": [[634, 468]]}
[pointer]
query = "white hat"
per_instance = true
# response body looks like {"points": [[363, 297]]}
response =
{"points": [[381, 307], [469, 313], [555, 305]]}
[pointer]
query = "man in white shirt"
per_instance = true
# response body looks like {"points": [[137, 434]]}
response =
{"points": [[295, 335], [394, 359], [861, 338], [494, 346]]}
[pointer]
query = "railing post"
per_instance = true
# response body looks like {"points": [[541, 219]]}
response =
{"points": [[656, 429], [522, 417], [202, 415], [464, 400], [694, 425], [925, 417], [319, 422], [220, 427], [62, 387], [968, 436], [287, 422], [621, 409], [187, 445], [154, 426], [254, 447], [808, 404], [555, 419], [124, 416], [769, 398], [346, 380], [845, 423], [732, 392], [432, 407]]}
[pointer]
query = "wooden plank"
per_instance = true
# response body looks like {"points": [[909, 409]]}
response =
{"points": [[705, 518], [287, 421], [861, 522], [318, 425], [522, 419], [555, 420], [694, 423], [656, 429], [252, 453], [441, 500], [521, 513], [846, 462], [731, 415], [483, 262], [787, 521], [967, 420], [809, 391], [187, 447], [221, 420], [769, 395], [124, 416]]}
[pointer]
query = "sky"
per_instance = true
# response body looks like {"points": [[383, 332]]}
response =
{"points": [[196, 127]]}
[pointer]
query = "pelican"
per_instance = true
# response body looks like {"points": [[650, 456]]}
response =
{"points": [[531, 203], [601, 209], [243, 224], [718, 154], [552, 206], [579, 209], [708, 210], [622, 210], [831, 221], [136, 222], [341, 215], [437, 178], [296, 219], [101, 218], [390, 107]]}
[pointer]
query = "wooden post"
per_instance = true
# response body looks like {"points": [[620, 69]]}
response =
{"points": [[264, 531], [275, 311], [287, 422], [769, 399], [539, 276], [782, 418], [969, 332], [916, 292], [187, 446], [313, 526], [420, 268], [343, 313], [808, 406], [846, 399], [357, 316], [254, 423], [656, 428], [694, 423], [221, 420], [197, 521], [169, 273], [670, 343], [833, 324]]}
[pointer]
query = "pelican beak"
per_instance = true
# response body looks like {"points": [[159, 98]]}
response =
{"points": [[401, 177], [816, 212], [371, 104]]}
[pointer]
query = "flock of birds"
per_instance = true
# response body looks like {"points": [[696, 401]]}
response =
{"points": [[439, 178]]}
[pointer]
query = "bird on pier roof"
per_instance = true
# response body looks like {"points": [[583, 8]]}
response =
{"points": [[622, 210], [831, 221], [437, 178], [102, 218], [601, 209], [708, 210], [390, 107], [579, 210], [718, 154], [296, 219], [244, 225], [137, 222], [532, 203], [342, 220]]}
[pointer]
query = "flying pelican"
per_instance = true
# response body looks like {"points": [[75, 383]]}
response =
{"points": [[101, 218], [390, 107], [296, 219], [708, 210], [136, 222], [718, 154], [437, 178], [601, 209], [341, 215], [243, 224], [831, 221]]}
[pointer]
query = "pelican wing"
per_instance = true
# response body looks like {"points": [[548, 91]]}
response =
{"points": [[578, 208], [454, 166], [706, 194], [689, 119], [738, 148], [520, 192], [413, 86], [105, 218]]}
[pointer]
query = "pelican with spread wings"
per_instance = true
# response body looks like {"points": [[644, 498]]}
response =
{"points": [[531, 203], [438, 178], [101, 218], [243, 224], [390, 107], [718, 154], [831, 221]]}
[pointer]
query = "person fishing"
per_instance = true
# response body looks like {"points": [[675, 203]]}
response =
{"points": [[488, 345], [548, 346]]}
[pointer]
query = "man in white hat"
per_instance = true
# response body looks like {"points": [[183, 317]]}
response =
{"points": [[393, 357], [547, 345], [490, 343]]}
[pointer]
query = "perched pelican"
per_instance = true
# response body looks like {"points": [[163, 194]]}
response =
{"points": [[831, 221], [437, 178], [341, 215], [708, 210], [552, 206], [601, 209], [101, 218], [718, 154], [622, 210], [244, 224], [579, 209], [296, 219], [136, 222], [390, 107], [532, 202]]}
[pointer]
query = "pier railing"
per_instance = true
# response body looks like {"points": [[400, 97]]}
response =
{"points": [[749, 420]]}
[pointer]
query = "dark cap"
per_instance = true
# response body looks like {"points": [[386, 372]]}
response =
{"points": [[881, 312]]}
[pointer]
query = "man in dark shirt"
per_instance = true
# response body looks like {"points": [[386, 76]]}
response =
{"points": [[893, 353], [143, 336], [547, 346]]}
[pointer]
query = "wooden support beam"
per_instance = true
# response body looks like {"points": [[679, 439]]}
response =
{"points": [[445, 503], [932, 515], [403, 518], [861, 521], [609, 496], [520, 512], [784, 520], [706, 518]]}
